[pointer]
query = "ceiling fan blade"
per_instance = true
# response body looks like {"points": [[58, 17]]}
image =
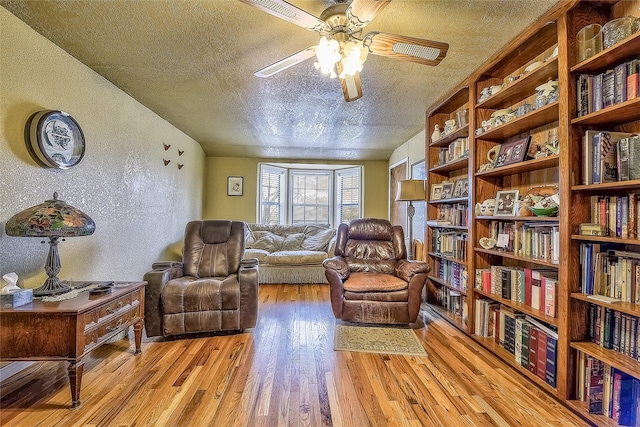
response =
{"points": [[361, 12], [285, 63], [422, 51], [289, 12], [351, 87]]}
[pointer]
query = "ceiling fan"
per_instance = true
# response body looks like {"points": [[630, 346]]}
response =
{"points": [[341, 50]]}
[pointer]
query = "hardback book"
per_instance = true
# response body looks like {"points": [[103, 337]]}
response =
{"points": [[552, 358], [533, 350], [608, 89], [541, 371], [584, 95], [550, 290], [634, 157], [524, 355], [595, 385], [620, 83], [632, 79], [597, 92]]}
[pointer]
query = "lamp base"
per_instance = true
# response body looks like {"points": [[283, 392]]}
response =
{"points": [[51, 286]]}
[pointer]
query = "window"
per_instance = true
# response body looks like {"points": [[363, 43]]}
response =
{"points": [[307, 194], [310, 196], [348, 195], [272, 200]]}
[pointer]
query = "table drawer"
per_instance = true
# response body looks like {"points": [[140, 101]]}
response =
{"points": [[109, 319], [94, 317]]}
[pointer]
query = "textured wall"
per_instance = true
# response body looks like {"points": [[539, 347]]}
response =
{"points": [[140, 206], [218, 205]]}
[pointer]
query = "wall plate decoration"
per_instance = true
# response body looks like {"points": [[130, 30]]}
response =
{"points": [[54, 139]]}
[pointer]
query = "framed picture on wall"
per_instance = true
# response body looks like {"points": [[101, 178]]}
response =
{"points": [[235, 185]]}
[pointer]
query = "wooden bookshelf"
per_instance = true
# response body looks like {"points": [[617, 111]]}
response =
{"points": [[558, 27]]}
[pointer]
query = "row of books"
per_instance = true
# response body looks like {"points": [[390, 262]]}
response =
{"points": [[452, 273], [609, 156], [614, 330], [449, 242], [607, 390], [618, 214], [456, 150], [537, 289], [595, 92], [540, 240], [533, 343], [452, 301], [452, 214], [608, 272]]}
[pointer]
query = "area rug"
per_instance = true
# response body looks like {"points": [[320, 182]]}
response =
{"points": [[377, 339]]}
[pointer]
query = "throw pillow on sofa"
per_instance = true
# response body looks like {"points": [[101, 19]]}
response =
{"points": [[317, 238], [268, 241]]}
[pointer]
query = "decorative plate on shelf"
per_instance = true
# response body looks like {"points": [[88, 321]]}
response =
{"points": [[54, 139]]}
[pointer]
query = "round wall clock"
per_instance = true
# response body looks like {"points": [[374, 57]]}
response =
{"points": [[54, 139]]}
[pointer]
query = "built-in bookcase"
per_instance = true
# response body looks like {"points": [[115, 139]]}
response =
{"points": [[538, 252]]}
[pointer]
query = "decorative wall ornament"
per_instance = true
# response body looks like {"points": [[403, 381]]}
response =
{"points": [[180, 152], [180, 165], [166, 146], [166, 162], [235, 185]]}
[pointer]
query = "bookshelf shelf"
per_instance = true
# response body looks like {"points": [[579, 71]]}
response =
{"points": [[448, 258], [453, 227], [622, 51], [526, 166], [449, 316], [519, 218], [461, 163], [523, 87], [604, 239], [511, 255], [534, 119], [610, 357], [508, 358], [616, 114], [596, 188], [462, 132], [456, 200], [598, 420], [448, 285], [622, 307], [537, 314]]}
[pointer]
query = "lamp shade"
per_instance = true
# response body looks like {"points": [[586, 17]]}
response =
{"points": [[53, 218], [410, 190]]}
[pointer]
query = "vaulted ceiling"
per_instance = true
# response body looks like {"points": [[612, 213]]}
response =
{"points": [[192, 62]]}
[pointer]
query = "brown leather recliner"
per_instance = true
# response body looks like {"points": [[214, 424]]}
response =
{"points": [[212, 289], [370, 278]]}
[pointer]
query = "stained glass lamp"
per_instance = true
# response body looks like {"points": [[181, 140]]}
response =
{"points": [[54, 219]]}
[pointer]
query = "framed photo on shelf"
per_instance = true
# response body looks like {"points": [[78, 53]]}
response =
{"points": [[513, 152], [447, 190], [235, 185], [506, 203], [461, 188], [436, 191]]}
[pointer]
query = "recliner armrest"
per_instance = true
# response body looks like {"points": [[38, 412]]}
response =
{"points": [[248, 282], [407, 269], [156, 280], [337, 264]]}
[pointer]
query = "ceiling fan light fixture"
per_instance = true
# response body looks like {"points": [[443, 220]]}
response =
{"points": [[354, 55], [328, 54]]}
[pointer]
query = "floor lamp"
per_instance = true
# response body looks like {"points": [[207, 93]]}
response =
{"points": [[410, 190]]}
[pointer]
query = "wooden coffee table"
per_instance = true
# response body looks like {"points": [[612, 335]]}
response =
{"points": [[70, 329]]}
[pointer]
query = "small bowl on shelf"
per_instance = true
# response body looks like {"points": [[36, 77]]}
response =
{"points": [[550, 211]]}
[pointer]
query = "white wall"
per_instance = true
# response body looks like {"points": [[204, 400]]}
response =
{"points": [[140, 206]]}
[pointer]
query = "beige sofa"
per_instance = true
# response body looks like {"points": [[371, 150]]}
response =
{"points": [[290, 253]]}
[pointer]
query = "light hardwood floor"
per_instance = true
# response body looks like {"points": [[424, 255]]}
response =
{"points": [[284, 372]]}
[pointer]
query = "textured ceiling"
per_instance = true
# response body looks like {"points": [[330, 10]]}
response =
{"points": [[192, 62]]}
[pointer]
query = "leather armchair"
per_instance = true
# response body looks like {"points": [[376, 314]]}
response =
{"points": [[370, 278], [212, 289]]}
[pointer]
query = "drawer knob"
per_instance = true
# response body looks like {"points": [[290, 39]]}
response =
{"points": [[113, 328]]}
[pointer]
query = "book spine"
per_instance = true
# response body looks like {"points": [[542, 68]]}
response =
{"points": [[620, 83], [597, 92], [550, 369], [632, 79], [533, 350], [595, 385], [608, 88], [524, 357], [541, 370]]}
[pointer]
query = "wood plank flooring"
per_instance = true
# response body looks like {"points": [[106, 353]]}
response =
{"points": [[284, 372]]}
